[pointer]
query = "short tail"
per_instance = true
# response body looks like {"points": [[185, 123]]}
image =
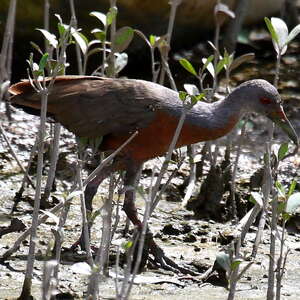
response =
{"points": [[25, 97]]}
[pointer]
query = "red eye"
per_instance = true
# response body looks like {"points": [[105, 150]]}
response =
{"points": [[265, 100]]}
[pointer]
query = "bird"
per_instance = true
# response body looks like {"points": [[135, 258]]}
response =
{"points": [[113, 109]]}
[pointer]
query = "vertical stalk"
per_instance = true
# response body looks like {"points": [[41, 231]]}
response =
{"points": [[280, 263], [234, 172], [274, 218], [85, 217], [46, 22], [101, 260], [235, 272], [174, 5], [54, 158], [7, 44], [26, 290], [73, 23], [268, 183], [113, 3]]}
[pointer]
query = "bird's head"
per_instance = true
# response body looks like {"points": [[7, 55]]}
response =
{"points": [[268, 102]]}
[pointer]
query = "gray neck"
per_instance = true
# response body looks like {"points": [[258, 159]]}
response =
{"points": [[219, 114]]}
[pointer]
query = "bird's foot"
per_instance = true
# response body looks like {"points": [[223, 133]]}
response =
{"points": [[76, 245], [161, 260]]}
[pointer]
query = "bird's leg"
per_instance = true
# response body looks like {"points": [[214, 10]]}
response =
{"points": [[89, 193], [150, 246], [130, 181]]}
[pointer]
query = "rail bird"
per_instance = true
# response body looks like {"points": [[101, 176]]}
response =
{"points": [[113, 109]]}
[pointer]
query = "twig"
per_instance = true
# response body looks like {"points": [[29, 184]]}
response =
{"points": [[84, 215], [53, 162], [13, 153], [26, 290], [174, 4], [73, 23], [234, 172], [99, 268], [7, 44]]}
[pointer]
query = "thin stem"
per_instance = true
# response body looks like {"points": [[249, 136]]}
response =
{"points": [[102, 255], [73, 23], [174, 5], [112, 58], [268, 188], [26, 291], [192, 178], [85, 217], [53, 162], [234, 172], [7, 44], [13, 153], [280, 263]]}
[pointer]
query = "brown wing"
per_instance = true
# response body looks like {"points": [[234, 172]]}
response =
{"points": [[94, 106]]}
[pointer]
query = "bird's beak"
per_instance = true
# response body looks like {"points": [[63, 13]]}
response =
{"points": [[280, 119]]}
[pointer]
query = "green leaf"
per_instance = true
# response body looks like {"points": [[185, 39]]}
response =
{"points": [[207, 61], [59, 18], [227, 59], [282, 32], [94, 51], [220, 66], [292, 188], [100, 16], [295, 31], [293, 203], [281, 208], [111, 15], [81, 40], [36, 47], [43, 62], [271, 30], [223, 260], [59, 68], [182, 95], [280, 189], [241, 59], [200, 96], [99, 34], [152, 40], [235, 264], [224, 9], [188, 66], [35, 66], [209, 67], [193, 100], [51, 38], [122, 39], [61, 29], [120, 61], [283, 149], [285, 216], [191, 89], [256, 198], [127, 245]]}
